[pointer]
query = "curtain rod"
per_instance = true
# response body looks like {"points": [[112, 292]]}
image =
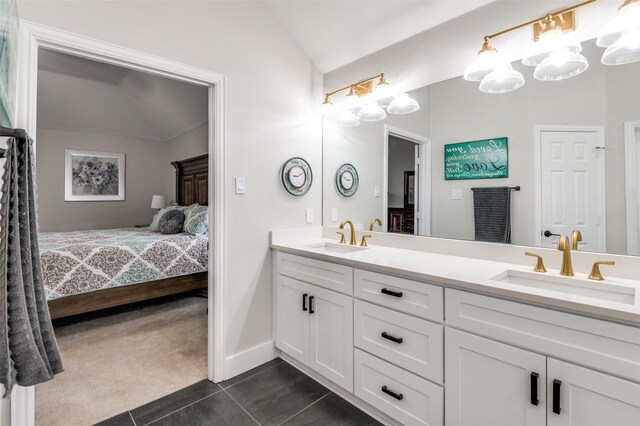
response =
{"points": [[513, 188]]}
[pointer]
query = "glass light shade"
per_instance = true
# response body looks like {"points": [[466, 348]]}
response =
{"points": [[484, 64], [371, 112], [403, 104], [561, 65], [347, 118], [628, 19], [624, 51], [353, 102], [383, 95], [501, 80], [327, 109], [549, 42]]}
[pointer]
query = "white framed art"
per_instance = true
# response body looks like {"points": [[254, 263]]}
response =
{"points": [[93, 175]]}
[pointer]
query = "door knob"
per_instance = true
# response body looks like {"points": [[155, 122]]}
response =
{"points": [[549, 234]]}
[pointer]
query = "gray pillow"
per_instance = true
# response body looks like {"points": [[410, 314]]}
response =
{"points": [[171, 222]]}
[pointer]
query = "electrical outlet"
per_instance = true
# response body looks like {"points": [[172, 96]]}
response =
{"points": [[309, 215], [334, 214]]}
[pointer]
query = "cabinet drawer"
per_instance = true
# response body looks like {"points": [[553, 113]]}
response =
{"points": [[606, 346], [409, 342], [409, 399], [412, 297], [324, 274]]}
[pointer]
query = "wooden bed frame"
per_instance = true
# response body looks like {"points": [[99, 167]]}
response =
{"points": [[192, 186]]}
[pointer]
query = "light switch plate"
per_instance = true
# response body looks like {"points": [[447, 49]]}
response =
{"points": [[334, 214], [376, 190], [456, 194], [309, 215], [240, 185]]}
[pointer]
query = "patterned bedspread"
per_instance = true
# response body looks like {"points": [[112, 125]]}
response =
{"points": [[83, 261]]}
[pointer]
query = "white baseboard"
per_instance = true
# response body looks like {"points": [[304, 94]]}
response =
{"points": [[349, 397], [248, 359]]}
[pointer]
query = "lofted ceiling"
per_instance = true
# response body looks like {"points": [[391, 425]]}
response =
{"points": [[335, 33], [79, 94]]}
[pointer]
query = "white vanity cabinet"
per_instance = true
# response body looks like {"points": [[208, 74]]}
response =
{"points": [[315, 325], [420, 354]]}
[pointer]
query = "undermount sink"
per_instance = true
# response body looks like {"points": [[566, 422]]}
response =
{"points": [[577, 286], [336, 247]]}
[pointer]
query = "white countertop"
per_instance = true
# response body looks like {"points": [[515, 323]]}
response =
{"points": [[470, 274]]}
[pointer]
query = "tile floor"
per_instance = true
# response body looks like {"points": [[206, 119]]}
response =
{"points": [[272, 394]]}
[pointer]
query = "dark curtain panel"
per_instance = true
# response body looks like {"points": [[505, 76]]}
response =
{"points": [[28, 350]]}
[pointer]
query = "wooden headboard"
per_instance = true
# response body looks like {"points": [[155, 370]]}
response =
{"points": [[192, 180]]}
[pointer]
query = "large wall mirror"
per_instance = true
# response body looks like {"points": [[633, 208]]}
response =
{"points": [[572, 150]]}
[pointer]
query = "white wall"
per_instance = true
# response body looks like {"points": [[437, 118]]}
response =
{"points": [[272, 92], [187, 145]]}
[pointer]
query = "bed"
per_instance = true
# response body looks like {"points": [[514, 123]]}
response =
{"points": [[86, 271]]}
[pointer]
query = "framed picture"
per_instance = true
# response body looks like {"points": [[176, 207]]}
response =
{"points": [[483, 159], [395, 222], [93, 175], [409, 189], [8, 54]]}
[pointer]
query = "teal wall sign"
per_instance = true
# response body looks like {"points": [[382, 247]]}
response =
{"points": [[485, 159]]}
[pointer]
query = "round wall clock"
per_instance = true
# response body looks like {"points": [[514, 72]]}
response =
{"points": [[296, 176], [347, 180]]}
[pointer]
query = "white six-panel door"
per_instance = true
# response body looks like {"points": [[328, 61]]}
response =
{"points": [[571, 191], [590, 398], [489, 383]]}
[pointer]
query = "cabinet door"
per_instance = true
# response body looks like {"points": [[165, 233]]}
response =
{"points": [[293, 318], [331, 334], [590, 398], [490, 383]]}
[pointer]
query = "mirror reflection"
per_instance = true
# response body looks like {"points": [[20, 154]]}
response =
{"points": [[523, 167]]}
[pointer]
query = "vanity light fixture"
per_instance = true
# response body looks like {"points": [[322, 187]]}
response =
{"points": [[367, 103], [555, 54], [621, 36]]}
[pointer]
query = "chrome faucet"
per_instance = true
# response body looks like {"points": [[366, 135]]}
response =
{"points": [[352, 240], [563, 245]]}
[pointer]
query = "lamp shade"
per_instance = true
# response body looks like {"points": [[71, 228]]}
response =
{"points": [[484, 64], [371, 112], [624, 51], [158, 202], [403, 104], [561, 65], [549, 42], [501, 80], [628, 19], [347, 118]]}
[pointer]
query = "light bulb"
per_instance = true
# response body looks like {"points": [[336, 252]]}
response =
{"points": [[371, 112], [403, 104]]}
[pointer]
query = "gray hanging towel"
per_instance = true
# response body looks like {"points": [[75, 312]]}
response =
{"points": [[28, 350], [492, 214]]}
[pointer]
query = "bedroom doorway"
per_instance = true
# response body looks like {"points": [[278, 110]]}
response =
{"points": [[35, 40]]}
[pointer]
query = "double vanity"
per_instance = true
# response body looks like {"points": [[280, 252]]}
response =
{"points": [[420, 337]]}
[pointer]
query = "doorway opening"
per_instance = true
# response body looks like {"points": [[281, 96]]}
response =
{"points": [[36, 37], [407, 183], [632, 184]]}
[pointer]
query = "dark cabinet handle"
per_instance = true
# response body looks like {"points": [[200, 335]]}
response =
{"points": [[397, 396], [391, 292], [556, 396], [304, 301], [534, 389], [311, 298], [390, 337], [549, 234]]}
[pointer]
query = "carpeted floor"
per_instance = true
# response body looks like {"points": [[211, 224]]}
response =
{"points": [[124, 357]]}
